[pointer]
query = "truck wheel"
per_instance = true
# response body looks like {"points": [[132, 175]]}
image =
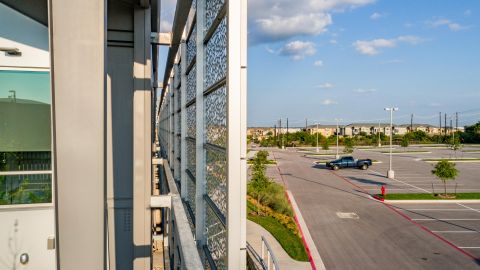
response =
{"points": [[364, 167], [335, 168]]}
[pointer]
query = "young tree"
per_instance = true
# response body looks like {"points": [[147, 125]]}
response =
{"points": [[405, 142], [348, 145], [445, 171], [325, 144]]}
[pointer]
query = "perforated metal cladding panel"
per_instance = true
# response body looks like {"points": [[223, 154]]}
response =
{"points": [[191, 196], [216, 175], [211, 11], [191, 158], [216, 238], [192, 45], [191, 84], [191, 121], [216, 117], [216, 55]]}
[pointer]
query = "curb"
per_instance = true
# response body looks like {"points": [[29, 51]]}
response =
{"points": [[312, 252]]}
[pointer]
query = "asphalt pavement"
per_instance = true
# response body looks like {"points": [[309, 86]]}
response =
{"points": [[353, 231]]}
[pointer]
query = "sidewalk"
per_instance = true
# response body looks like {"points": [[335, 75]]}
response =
{"points": [[254, 237]]}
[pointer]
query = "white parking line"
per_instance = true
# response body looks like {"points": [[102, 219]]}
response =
{"points": [[469, 247], [405, 183], [430, 209], [446, 219], [455, 232], [473, 209]]}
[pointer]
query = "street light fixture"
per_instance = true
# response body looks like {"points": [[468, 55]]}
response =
{"points": [[317, 139], [391, 173], [337, 156]]}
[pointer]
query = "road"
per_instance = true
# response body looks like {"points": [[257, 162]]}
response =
{"points": [[352, 231]]}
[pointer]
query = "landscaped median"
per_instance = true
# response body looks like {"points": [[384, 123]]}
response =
{"points": [[435, 160], [429, 196], [397, 152], [268, 206]]}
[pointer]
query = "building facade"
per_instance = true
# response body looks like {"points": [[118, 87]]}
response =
{"points": [[80, 134]]}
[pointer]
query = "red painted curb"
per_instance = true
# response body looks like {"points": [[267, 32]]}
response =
{"points": [[307, 248]]}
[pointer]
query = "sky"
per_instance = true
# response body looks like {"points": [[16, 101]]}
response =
{"points": [[349, 59]]}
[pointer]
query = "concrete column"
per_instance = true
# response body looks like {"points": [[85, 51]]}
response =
{"points": [[236, 124], [77, 49], [142, 141]]}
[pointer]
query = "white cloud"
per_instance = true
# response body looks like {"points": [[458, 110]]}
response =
{"points": [[467, 13], [377, 15], [165, 26], [270, 50], [298, 50], [326, 85], [371, 47], [328, 101], [434, 104], [278, 20], [318, 63], [448, 23], [333, 41], [363, 91]]}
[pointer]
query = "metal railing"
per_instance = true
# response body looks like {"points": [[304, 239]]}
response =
{"points": [[270, 262], [182, 250]]}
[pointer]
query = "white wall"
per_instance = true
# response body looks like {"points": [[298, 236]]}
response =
{"points": [[34, 223], [31, 37], [34, 226]]}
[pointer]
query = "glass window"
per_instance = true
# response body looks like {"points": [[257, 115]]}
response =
{"points": [[25, 137]]}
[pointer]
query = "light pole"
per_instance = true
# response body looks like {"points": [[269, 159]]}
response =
{"points": [[337, 156], [391, 173], [317, 138]]}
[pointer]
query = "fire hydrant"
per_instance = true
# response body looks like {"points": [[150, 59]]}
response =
{"points": [[383, 191]]}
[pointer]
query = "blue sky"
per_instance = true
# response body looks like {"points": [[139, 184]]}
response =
{"points": [[349, 59]]}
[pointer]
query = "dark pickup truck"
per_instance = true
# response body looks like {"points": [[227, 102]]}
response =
{"points": [[349, 162]]}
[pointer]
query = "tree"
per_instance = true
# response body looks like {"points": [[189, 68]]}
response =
{"points": [[348, 145], [405, 142], [455, 143], [445, 171], [325, 144]]}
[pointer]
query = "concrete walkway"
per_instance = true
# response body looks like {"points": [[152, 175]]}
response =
{"points": [[254, 237]]}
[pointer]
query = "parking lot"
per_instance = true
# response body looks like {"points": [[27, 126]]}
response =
{"points": [[406, 236], [412, 175], [458, 223]]}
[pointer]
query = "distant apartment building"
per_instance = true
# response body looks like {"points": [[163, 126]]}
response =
{"points": [[324, 130], [374, 128]]}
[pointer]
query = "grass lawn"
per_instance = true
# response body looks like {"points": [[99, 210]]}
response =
{"points": [[428, 196], [269, 161], [290, 242]]}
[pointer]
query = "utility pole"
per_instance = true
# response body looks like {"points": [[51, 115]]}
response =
{"points": [[445, 126], [411, 123], [275, 133], [287, 130], [306, 124], [281, 131], [440, 121], [317, 138], [456, 121]]}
